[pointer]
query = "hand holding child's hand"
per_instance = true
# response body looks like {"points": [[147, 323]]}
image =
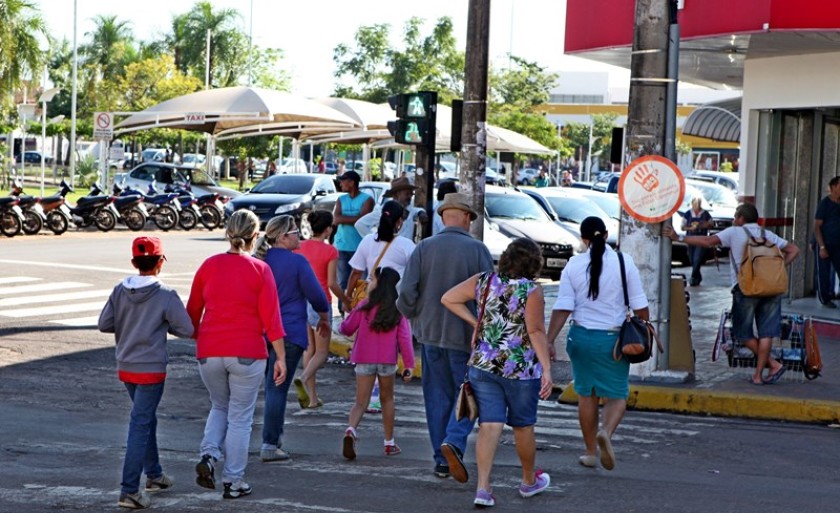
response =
{"points": [[407, 375], [323, 328]]}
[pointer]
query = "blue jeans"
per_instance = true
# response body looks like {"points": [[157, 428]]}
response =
{"points": [[275, 396], [233, 384], [826, 269], [697, 256], [141, 450], [443, 373]]}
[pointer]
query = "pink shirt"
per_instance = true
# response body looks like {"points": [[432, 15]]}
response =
{"points": [[319, 254], [378, 348], [233, 304]]}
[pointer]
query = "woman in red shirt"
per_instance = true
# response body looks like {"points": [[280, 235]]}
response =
{"points": [[233, 306], [323, 258]]}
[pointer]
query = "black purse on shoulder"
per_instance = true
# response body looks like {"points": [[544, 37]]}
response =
{"points": [[637, 336]]}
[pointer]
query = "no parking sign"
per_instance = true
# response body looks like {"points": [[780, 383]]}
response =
{"points": [[651, 189]]}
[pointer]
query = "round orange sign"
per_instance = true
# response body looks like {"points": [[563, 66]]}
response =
{"points": [[651, 188]]}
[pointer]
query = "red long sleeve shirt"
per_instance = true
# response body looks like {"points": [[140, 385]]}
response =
{"points": [[233, 304]]}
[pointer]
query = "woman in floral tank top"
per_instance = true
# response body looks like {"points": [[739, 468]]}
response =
{"points": [[510, 368]]}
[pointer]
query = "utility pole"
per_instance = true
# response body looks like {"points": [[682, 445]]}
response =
{"points": [[647, 135], [473, 134]]}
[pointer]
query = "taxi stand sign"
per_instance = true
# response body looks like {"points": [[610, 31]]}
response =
{"points": [[651, 189]]}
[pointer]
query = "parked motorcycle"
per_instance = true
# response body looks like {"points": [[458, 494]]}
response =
{"points": [[211, 206], [11, 216], [189, 208], [131, 208], [162, 208], [34, 217], [98, 210]]}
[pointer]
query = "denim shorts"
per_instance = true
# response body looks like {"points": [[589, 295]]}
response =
{"points": [[509, 401], [766, 311], [312, 317], [375, 369]]}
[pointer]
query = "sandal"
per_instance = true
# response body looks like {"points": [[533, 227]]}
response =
{"points": [[774, 378]]}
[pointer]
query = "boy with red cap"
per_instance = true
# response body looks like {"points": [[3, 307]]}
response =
{"points": [[140, 312]]}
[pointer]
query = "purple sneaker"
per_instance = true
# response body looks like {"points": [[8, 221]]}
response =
{"points": [[484, 499], [541, 482]]}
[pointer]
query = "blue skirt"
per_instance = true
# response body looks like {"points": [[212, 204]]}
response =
{"points": [[593, 367]]}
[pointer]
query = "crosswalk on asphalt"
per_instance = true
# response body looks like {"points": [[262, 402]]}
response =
{"points": [[63, 303]]}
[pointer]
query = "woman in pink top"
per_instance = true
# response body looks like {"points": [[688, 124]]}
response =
{"points": [[382, 331], [233, 306], [323, 258]]}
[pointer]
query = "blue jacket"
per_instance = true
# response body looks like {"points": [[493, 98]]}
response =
{"points": [[296, 286]]}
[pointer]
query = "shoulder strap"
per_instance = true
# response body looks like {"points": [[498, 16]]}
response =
{"points": [[623, 280], [382, 254]]}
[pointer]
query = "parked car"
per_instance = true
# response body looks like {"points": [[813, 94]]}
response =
{"points": [[728, 180], [33, 157], [169, 174], [291, 165], [293, 194], [491, 177], [526, 176], [330, 167], [568, 208], [518, 215], [193, 160]]}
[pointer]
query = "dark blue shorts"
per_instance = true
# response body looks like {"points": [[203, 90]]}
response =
{"points": [[508, 401]]}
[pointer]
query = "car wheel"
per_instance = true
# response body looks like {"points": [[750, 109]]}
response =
{"points": [[304, 226]]}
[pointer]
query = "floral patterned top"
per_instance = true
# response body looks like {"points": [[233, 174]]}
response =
{"points": [[502, 345]]}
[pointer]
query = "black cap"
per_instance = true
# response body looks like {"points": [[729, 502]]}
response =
{"points": [[350, 175]]}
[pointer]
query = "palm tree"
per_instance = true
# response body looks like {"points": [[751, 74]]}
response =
{"points": [[20, 51], [111, 46], [188, 42]]}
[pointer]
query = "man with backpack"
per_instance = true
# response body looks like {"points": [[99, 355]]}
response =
{"points": [[763, 306]]}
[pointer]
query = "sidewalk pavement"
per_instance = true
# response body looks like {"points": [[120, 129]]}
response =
{"points": [[718, 389]]}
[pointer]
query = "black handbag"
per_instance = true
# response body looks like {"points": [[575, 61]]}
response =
{"points": [[636, 338]]}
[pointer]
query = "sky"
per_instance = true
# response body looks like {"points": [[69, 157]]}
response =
{"points": [[307, 31]]}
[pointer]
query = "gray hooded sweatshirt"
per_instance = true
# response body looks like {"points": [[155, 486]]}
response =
{"points": [[140, 312]]}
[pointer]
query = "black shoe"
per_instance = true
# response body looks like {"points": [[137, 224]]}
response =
{"points": [[829, 305], [204, 472], [455, 459], [235, 491], [441, 471]]}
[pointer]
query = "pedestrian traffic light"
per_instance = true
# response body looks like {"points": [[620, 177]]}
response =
{"points": [[415, 112]]}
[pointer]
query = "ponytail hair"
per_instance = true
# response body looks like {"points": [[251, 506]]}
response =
{"points": [[241, 228], [384, 296], [392, 212], [594, 230], [276, 228]]}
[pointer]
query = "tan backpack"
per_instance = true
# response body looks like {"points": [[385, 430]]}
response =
{"points": [[762, 272]]}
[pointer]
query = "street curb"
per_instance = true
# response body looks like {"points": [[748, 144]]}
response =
{"points": [[723, 404]]}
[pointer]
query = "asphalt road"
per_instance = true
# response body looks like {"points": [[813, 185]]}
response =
{"points": [[63, 418]]}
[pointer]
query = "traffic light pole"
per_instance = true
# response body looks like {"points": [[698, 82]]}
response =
{"points": [[429, 165]]}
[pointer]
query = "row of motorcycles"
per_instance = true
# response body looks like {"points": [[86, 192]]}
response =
{"points": [[175, 207]]}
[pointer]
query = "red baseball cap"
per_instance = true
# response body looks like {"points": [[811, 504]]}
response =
{"points": [[147, 246]]}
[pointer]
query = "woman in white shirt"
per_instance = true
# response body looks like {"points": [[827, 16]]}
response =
{"points": [[591, 292]]}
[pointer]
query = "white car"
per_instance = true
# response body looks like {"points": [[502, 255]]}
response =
{"points": [[290, 166], [527, 176]]}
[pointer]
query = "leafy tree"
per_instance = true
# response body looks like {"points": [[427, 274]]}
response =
{"points": [[380, 70], [577, 135], [523, 87], [228, 45], [20, 52], [149, 82], [267, 72]]}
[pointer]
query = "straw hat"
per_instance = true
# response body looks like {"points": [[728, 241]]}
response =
{"points": [[457, 200]]}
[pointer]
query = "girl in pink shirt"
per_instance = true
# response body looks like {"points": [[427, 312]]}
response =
{"points": [[382, 331]]}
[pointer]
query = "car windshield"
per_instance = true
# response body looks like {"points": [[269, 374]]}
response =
{"points": [[192, 157], [284, 184], [512, 206], [608, 203], [575, 209], [149, 154], [198, 177]]}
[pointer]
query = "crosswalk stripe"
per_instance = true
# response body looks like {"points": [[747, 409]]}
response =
{"points": [[18, 279], [78, 322], [53, 298], [42, 287], [52, 310]]}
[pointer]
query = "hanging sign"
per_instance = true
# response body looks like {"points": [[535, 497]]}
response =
{"points": [[651, 189]]}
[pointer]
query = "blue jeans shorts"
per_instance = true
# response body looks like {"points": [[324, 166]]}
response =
{"points": [[509, 401], [766, 311], [312, 317], [375, 369]]}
